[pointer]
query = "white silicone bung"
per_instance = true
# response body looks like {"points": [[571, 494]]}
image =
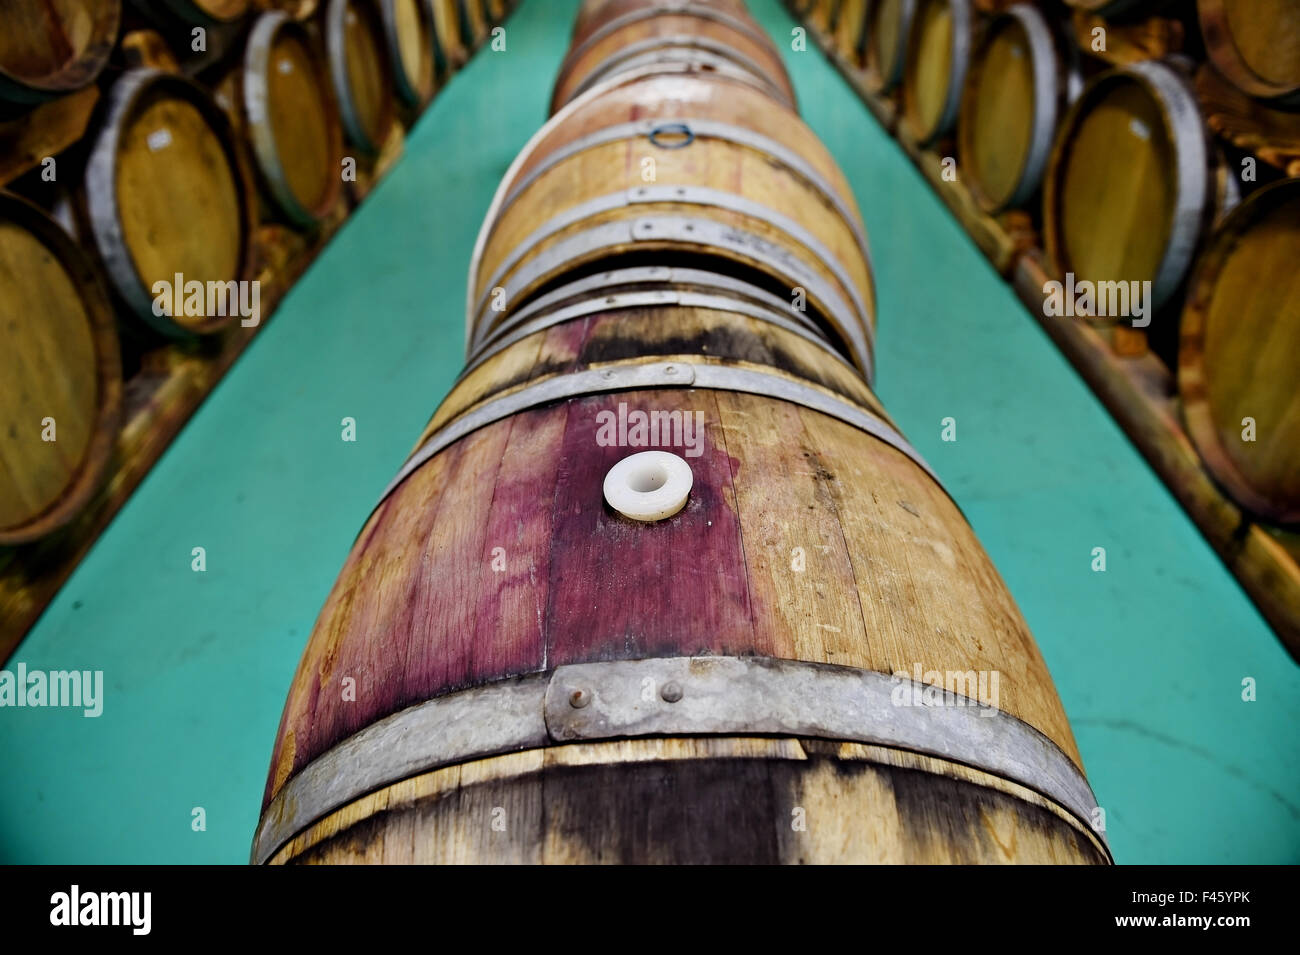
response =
{"points": [[649, 485]]}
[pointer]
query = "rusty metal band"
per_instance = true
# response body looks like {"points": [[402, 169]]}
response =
{"points": [[660, 374], [668, 48], [648, 298], [627, 279], [705, 235], [674, 10], [707, 696], [700, 129], [681, 195]]}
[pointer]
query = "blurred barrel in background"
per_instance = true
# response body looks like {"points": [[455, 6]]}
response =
{"points": [[298, 9], [888, 26], [1133, 181], [410, 37], [851, 31], [361, 71], [622, 38], [51, 47], [1239, 361], [511, 669], [60, 375], [1256, 45], [1020, 82], [938, 55], [200, 13], [283, 107], [167, 195]]}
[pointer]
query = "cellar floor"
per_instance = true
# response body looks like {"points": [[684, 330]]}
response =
{"points": [[1149, 656]]}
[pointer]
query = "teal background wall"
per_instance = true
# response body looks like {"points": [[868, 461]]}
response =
{"points": [[1148, 656]]}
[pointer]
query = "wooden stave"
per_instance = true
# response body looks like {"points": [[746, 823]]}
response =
{"points": [[418, 90], [595, 16], [354, 126], [1200, 196], [640, 94], [1191, 371], [267, 29], [1229, 61], [100, 191], [885, 76], [676, 36], [961, 18], [93, 468], [29, 90], [1056, 69]]}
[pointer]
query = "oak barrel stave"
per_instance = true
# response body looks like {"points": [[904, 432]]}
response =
{"points": [[52, 47], [361, 72]]}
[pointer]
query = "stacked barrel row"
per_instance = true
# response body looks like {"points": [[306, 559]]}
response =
{"points": [[183, 159], [567, 635], [1119, 168]]}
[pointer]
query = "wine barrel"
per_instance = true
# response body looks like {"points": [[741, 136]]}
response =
{"points": [[1239, 355], [938, 55], [60, 375], [889, 24], [284, 109], [851, 32], [1256, 45], [766, 635], [473, 23], [447, 30], [51, 47], [596, 632], [1021, 80], [167, 195], [1120, 9], [409, 34], [689, 33], [1133, 181], [361, 71], [736, 178]]}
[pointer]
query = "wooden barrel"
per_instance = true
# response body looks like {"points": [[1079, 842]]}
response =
{"points": [[1256, 45], [889, 24], [938, 55], [1020, 82], [1239, 360], [644, 35], [1132, 181], [409, 34], [623, 660], [1121, 9], [361, 72], [851, 31], [473, 23], [284, 109], [447, 31], [662, 582], [50, 47], [60, 375], [167, 195], [701, 167]]}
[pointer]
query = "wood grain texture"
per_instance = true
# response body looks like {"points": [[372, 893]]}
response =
{"points": [[700, 801], [1255, 44], [51, 47]]}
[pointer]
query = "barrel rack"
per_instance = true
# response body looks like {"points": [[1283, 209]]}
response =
{"points": [[174, 377], [1134, 384]]}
